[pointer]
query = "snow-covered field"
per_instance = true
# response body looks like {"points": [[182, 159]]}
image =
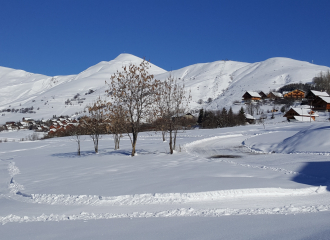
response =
{"points": [[246, 182]]}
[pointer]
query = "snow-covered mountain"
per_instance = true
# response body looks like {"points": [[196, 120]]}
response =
{"points": [[223, 81]]}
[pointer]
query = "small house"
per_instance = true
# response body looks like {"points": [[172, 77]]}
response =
{"points": [[262, 95], [312, 95], [300, 114], [275, 95], [321, 103], [249, 96]]}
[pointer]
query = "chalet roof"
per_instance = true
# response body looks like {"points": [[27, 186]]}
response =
{"points": [[326, 99], [304, 112], [277, 94], [318, 93], [254, 94]]}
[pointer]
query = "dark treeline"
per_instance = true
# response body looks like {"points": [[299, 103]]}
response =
{"points": [[220, 118], [320, 83], [302, 86]]}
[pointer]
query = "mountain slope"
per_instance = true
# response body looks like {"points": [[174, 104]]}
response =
{"points": [[47, 95], [222, 81]]}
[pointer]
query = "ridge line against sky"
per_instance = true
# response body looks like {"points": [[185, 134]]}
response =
{"points": [[64, 37]]}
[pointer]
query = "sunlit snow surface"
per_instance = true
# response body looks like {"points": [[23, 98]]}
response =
{"points": [[247, 177]]}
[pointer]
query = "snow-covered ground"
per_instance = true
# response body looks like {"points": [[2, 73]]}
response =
{"points": [[246, 182]]}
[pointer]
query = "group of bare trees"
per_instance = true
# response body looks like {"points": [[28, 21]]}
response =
{"points": [[322, 82], [136, 99]]}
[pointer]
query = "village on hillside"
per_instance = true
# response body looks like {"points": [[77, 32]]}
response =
{"points": [[295, 105]]}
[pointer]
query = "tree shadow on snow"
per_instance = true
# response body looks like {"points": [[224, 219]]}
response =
{"points": [[102, 152], [315, 174]]}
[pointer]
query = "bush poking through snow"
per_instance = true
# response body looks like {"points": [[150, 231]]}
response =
{"points": [[32, 137]]}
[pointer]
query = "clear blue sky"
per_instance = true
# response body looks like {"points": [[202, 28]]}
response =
{"points": [[61, 37]]}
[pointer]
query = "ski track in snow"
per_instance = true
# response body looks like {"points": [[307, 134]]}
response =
{"points": [[180, 212], [189, 149], [162, 198]]}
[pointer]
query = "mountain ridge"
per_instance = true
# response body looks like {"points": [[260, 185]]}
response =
{"points": [[222, 81]]}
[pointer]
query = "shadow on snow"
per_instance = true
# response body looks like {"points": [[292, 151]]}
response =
{"points": [[315, 174], [103, 152]]}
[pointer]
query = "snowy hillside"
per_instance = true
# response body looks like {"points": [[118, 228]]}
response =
{"points": [[270, 74], [223, 81], [47, 95]]}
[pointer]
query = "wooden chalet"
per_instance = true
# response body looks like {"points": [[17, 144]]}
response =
{"points": [[300, 114], [321, 103], [262, 95], [249, 96], [295, 94], [312, 94], [275, 95]]}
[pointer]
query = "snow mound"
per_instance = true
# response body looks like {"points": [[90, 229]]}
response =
{"points": [[314, 139], [311, 139]]}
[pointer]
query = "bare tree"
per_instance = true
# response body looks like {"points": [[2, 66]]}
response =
{"points": [[95, 122], [117, 123], [173, 108], [249, 108], [257, 107], [76, 131], [135, 90]]}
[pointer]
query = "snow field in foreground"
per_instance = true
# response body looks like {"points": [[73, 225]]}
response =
{"points": [[201, 181]]}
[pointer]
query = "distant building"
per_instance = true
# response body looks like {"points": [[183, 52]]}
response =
{"points": [[300, 114], [248, 96], [312, 94], [262, 95], [275, 95], [321, 103]]}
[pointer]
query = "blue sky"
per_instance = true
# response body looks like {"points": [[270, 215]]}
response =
{"points": [[62, 37]]}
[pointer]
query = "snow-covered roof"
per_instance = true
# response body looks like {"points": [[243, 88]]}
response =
{"points": [[248, 116], [324, 98], [254, 94], [318, 93], [304, 112], [277, 94]]}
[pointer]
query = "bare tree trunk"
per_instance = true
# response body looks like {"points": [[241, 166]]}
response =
{"points": [[134, 143], [96, 144], [171, 143], [174, 138], [117, 140], [78, 147], [164, 135]]}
